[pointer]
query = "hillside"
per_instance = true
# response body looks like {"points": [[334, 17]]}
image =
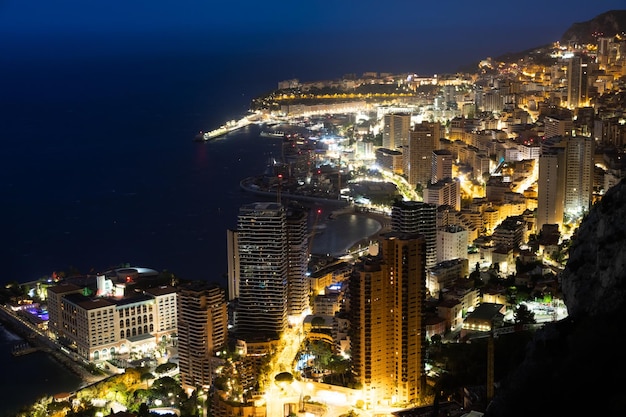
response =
{"points": [[607, 24], [576, 366]]}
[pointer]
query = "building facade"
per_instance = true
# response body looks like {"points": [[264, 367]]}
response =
{"points": [[263, 271], [396, 128], [388, 327], [417, 217], [202, 329], [298, 251], [452, 242], [423, 139], [99, 327]]}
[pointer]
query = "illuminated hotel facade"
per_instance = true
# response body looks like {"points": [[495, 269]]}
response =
{"points": [[99, 327]]}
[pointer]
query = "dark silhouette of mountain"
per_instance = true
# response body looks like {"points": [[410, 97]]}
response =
{"points": [[608, 24], [576, 366]]}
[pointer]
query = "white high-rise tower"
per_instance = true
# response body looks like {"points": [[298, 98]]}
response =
{"points": [[263, 288]]}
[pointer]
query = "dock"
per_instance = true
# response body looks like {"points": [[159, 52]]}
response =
{"points": [[23, 349]]}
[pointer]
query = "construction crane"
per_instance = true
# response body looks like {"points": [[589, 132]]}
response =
{"points": [[494, 333], [280, 184], [310, 245]]}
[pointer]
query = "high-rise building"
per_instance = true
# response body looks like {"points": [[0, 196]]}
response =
{"points": [[232, 254], [452, 243], [558, 125], [441, 165], [417, 217], [602, 54], [297, 281], [396, 128], [577, 82], [263, 265], [444, 192], [565, 182], [387, 299], [579, 156], [551, 186], [423, 140], [202, 329]]}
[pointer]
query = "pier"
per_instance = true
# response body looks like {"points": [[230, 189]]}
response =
{"points": [[23, 349]]}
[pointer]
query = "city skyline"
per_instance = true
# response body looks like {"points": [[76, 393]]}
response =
{"points": [[509, 235]]}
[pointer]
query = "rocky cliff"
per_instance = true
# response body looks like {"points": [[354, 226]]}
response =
{"points": [[577, 366], [594, 280], [609, 24]]}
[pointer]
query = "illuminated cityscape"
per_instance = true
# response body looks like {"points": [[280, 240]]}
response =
{"points": [[478, 181]]}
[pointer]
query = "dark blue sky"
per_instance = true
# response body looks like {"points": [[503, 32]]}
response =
{"points": [[393, 35]]}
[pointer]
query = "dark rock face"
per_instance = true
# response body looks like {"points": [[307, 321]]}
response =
{"points": [[594, 280], [576, 366], [609, 23]]}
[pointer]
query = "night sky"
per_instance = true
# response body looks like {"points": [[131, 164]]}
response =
{"points": [[395, 35]]}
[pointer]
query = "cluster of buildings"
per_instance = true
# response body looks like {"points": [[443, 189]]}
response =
{"points": [[526, 150]]}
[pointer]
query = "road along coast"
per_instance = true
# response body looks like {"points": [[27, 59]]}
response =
{"points": [[40, 342], [249, 185]]}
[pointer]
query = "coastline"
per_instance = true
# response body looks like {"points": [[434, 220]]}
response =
{"points": [[35, 339], [342, 208], [385, 226], [246, 185]]}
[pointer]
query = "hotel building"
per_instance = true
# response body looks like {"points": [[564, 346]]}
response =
{"points": [[98, 324]]}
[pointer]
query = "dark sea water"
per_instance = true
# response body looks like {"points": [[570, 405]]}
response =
{"points": [[29, 377], [98, 168]]}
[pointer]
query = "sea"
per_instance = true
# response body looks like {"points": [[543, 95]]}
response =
{"points": [[98, 169]]}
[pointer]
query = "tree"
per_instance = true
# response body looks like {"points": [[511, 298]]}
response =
{"points": [[118, 388], [166, 383], [317, 322], [147, 376], [165, 368], [339, 366], [144, 411], [284, 377], [523, 315]]}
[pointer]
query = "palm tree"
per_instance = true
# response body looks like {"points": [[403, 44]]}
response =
{"points": [[147, 376]]}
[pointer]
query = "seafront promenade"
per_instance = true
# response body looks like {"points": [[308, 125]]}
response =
{"points": [[38, 341]]}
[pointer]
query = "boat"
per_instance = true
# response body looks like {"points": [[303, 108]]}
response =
{"points": [[272, 134]]}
